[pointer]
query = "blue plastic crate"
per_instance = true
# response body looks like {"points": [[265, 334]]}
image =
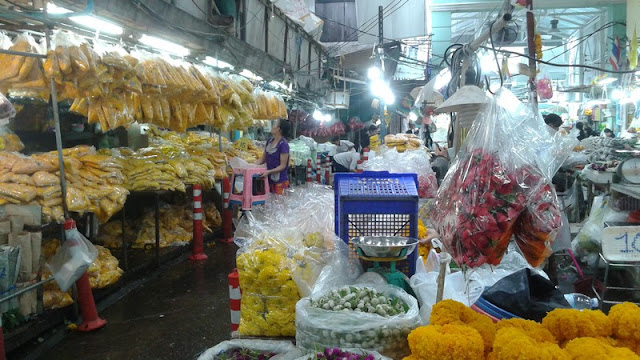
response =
{"points": [[377, 203]]}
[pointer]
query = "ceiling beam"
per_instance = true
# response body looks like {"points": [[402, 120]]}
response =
{"points": [[540, 4]]}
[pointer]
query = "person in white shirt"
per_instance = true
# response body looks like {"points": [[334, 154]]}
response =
{"points": [[342, 145], [346, 161]]}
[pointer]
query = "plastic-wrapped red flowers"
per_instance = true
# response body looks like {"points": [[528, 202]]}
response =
{"points": [[500, 187], [337, 354], [485, 204]]}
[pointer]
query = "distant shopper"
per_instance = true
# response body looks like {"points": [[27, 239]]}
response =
{"points": [[276, 156], [582, 133], [346, 161], [342, 145], [440, 162], [412, 129], [365, 135], [554, 121], [608, 133]]}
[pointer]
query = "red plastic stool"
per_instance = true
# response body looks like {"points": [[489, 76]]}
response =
{"points": [[248, 193]]}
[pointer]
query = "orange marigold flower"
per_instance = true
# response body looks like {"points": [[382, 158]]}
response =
{"points": [[513, 343], [568, 324], [631, 344], [453, 312], [448, 342], [531, 328], [597, 349], [625, 321]]}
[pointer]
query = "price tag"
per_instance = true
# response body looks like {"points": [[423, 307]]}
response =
{"points": [[621, 243]]}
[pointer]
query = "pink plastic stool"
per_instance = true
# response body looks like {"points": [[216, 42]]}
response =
{"points": [[248, 193]]}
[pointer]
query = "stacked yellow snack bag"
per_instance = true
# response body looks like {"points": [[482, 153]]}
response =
{"points": [[93, 182], [402, 142], [21, 74]]}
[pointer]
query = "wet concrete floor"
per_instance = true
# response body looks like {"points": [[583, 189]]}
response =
{"points": [[176, 314]]}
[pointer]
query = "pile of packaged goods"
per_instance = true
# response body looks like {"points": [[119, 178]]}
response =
{"points": [[94, 182], [103, 272], [193, 143], [268, 106], [22, 75], [165, 168], [114, 88], [280, 259], [458, 333], [402, 142], [372, 317], [176, 227]]}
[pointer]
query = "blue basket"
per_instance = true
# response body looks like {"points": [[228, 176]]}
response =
{"points": [[377, 203]]}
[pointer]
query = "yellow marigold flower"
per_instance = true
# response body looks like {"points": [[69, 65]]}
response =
{"points": [[596, 349], [625, 321], [531, 328], [513, 343], [410, 357], [448, 311], [568, 324], [453, 312], [631, 344], [448, 342]]}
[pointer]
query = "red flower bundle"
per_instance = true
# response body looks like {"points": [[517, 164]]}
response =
{"points": [[538, 225], [478, 208]]}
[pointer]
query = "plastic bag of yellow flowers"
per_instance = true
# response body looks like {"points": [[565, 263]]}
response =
{"points": [[276, 268]]}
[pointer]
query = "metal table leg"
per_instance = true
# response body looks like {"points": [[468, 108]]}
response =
{"points": [[124, 240], [157, 229]]}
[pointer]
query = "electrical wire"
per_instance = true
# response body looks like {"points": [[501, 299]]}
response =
{"points": [[495, 55], [584, 38], [390, 10], [365, 24], [563, 65]]}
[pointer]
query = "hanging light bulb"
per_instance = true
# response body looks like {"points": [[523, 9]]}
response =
{"points": [[413, 116], [374, 73]]}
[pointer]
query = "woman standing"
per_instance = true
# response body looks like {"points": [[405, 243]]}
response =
{"points": [[276, 156]]}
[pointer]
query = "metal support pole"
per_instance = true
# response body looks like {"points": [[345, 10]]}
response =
{"points": [[531, 45], [56, 120], [157, 206], [124, 240], [383, 123]]}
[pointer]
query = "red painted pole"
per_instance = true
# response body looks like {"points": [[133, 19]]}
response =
{"points": [[365, 154], [309, 177], [90, 319], [235, 299], [327, 170], [197, 244], [318, 170], [227, 224], [359, 167]]}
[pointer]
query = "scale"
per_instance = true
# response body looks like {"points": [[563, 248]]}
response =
{"points": [[385, 249], [629, 170]]}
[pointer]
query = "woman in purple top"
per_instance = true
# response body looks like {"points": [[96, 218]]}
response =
{"points": [[276, 156]]}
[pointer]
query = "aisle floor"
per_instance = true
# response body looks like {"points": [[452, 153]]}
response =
{"points": [[176, 314]]}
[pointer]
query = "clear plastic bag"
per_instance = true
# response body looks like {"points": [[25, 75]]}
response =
{"points": [[499, 174], [72, 259], [6, 109], [317, 327], [416, 162], [225, 349]]}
